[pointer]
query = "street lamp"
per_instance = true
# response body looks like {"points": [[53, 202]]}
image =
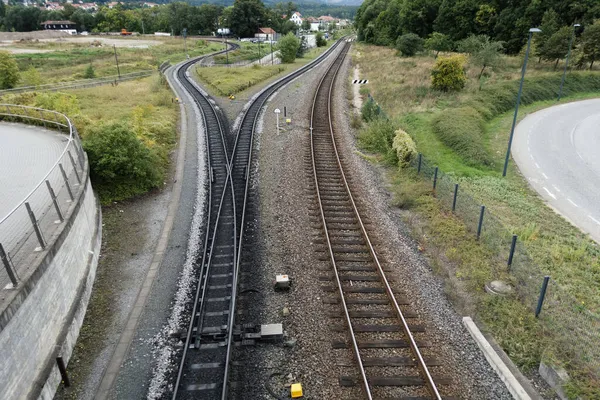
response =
{"points": [[512, 130], [562, 82]]}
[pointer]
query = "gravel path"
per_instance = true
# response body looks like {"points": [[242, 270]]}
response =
{"points": [[282, 239]]}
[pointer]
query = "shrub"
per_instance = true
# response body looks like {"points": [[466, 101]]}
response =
{"points": [[409, 44], [57, 101], [448, 73], [31, 77], [378, 136], [121, 166], [405, 148], [288, 47], [462, 129], [9, 71], [89, 72], [370, 110], [438, 42], [321, 41]]}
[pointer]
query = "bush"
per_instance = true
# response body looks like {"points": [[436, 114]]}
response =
{"points": [[89, 72], [448, 73], [288, 47], [121, 166], [370, 110], [409, 44], [31, 77], [57, 101], [462, 129], [321, 41], [405, 148], [9, 71], [378, 136]]}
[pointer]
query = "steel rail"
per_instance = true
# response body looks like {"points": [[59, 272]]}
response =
{"points": [[414, 348]]}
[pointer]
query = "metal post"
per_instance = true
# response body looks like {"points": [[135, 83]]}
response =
{"points": [[117, 61], [74, 166], [143, 30], [538, 309], [419, 164], [42, 118], [455, 196], [64, 174], [271, 48], [63, 371], [36, 227], [185, 42], [53, 196], [435, 174], [226, 52], [514, 123], [513, 244], [562, 82], [285, 112], [480, 224], [8, 265]]}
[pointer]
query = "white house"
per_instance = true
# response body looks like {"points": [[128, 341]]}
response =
{"points": [[296, 18]]}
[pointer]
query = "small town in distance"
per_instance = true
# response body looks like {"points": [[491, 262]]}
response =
{"points": [[324, 199]]}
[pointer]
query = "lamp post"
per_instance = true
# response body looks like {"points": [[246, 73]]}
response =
{"points": [[512, 129], [562, 82], [185, 42]]}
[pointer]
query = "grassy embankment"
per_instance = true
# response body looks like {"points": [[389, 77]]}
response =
{"points": [[68, 61], [224, 81], [466, 134]]}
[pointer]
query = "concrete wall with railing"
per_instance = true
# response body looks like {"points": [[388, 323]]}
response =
{"points": [[49, 255]]}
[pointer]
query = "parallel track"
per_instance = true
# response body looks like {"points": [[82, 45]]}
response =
{"points": [[204, 368], [361, 287]]}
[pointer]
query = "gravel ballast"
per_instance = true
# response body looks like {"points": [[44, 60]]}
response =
{"points": [[282, 241]]}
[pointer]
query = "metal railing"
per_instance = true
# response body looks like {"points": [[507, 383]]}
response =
{"points": [[30, 225]]}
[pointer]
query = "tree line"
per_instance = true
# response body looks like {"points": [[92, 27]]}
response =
{"points": [[383, 22]]}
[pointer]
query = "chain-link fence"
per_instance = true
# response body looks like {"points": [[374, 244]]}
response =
{"points": [[29, 226], [575, 329]]}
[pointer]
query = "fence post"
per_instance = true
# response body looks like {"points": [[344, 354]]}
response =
{"points": [[8, 265], [53, 196], [42, 118], [455, 196], [538, 309], [74, 167], [480, 224], [419, 164], [64, 174], [435, 174], [513, 244], [36, 227], [63, 371]]}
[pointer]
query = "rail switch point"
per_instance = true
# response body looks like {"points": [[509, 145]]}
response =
{"points": [[282, 282], [296, 390]]}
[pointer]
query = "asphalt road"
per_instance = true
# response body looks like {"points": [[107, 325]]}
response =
{"points": [[558, 150]]}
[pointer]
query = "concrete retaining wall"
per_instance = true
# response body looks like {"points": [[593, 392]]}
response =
{"points": [[41, 319]]}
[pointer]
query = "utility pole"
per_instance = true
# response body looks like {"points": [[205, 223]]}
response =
{"points": [[562, 82], [117, 61], [272, 37], [143, 30], [512, 130]]}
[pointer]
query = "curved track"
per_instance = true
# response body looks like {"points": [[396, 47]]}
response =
{"points": [[204, 368], [361, 287]]}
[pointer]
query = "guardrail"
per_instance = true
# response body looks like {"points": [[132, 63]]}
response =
{"points": [[27, 227], [83, 83]]}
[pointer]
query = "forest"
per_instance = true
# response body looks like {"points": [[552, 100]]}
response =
{"points": [[382, 22]]}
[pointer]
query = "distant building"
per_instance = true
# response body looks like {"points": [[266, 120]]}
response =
{"points": [[314, 23], [296, 18], [265, 34], [150, 5], [63, 26]]}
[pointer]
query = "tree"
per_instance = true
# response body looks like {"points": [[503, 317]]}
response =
{"points": [[557, 46], [448, 73], [306, 25], [321, 41], [550, 25], [409, 44], [438, 42], [9, 70], [590, 41], [89, 72], [484, 52], [2, 11], [288, 48], [247, 16], [302, 48]]}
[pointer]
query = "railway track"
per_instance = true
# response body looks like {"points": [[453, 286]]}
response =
{"points": [[205, 364], [382, 332]]}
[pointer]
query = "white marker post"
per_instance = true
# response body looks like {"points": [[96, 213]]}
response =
{"points": [[277, 112]]}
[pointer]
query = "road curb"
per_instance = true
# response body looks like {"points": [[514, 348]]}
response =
{"points": [[504, 371], [122, 348]]}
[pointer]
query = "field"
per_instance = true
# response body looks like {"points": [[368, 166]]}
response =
{"points": [[59, 60], [402, 88]]}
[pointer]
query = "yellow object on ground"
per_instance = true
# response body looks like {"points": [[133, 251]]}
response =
{"points": [[288, 120], [296, 390]]}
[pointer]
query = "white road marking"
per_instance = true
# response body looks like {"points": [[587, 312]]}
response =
{"points": [[594, 219], [556, 188], [549, 193], [572, 202], [544, 175]]}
